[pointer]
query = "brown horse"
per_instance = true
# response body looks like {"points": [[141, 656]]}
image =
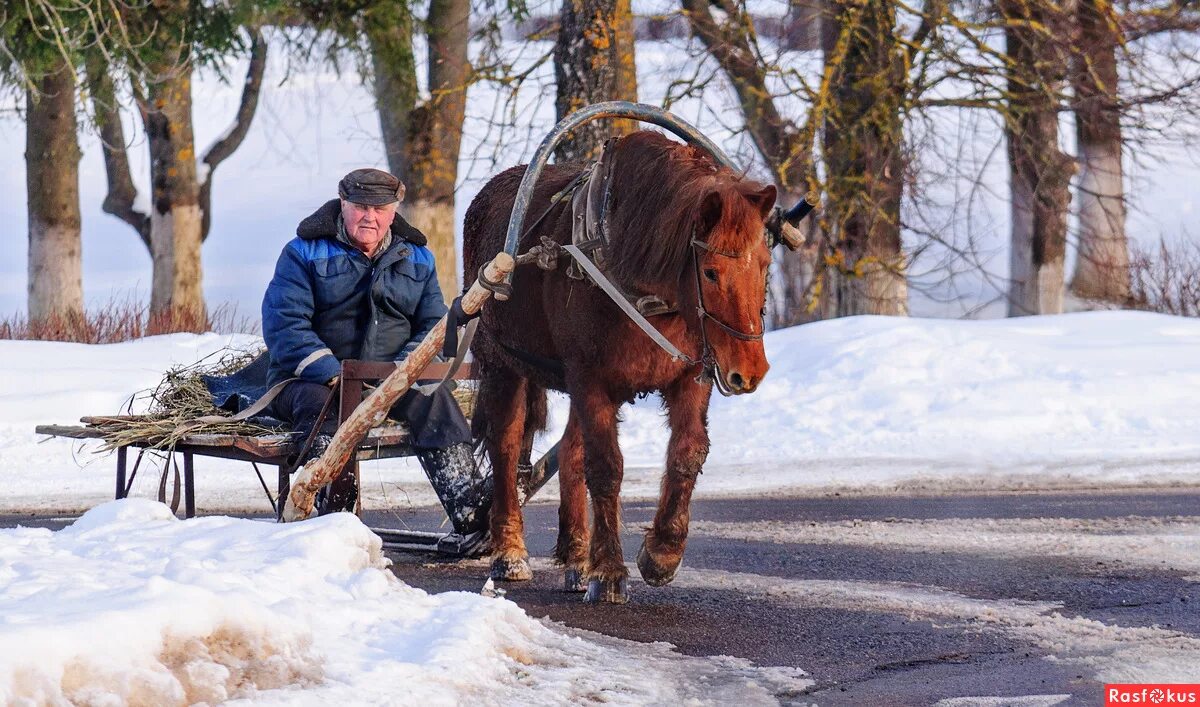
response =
{"points": [[680, 227]]}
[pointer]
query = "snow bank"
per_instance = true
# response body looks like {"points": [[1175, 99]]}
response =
{"points": [[55, 383], [1077, 399], [863, 403], [132, 606]]}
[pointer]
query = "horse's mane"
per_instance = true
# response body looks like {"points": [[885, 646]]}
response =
{"points": [[660, 198]]}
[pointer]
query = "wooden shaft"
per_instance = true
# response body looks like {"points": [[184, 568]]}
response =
{"points": [[374, 409]]}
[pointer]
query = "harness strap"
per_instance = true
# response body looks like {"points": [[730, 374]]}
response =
{"points": [[460, 355], [726, 328], [715, 251], [630, 310]]}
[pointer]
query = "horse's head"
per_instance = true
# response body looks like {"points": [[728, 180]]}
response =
{"points": [[730, 261], [690, 231]]}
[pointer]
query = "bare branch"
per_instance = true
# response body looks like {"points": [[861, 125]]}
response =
{"points": [[121, 191], [776, 138], [229, 142]]}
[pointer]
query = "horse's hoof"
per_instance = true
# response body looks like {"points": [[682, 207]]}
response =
{"points": [[505, 569], [653, 573], [607, 591], [573, 580]]}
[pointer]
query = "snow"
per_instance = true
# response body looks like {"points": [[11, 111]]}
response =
{"points": [[131, 606], [863, 404]]}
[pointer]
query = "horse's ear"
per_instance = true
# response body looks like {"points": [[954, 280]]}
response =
{"points": [[710, 211], [763, 200]]}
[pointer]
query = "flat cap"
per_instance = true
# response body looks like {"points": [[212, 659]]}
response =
{"points": [[371, 186]]}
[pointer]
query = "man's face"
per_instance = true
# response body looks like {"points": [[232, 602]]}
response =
{"points": [[367, 225]]}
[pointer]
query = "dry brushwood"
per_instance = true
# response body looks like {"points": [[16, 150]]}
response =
{"points": [[175, 404], [182, 397]]}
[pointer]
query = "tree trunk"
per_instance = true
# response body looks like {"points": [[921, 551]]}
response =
{"points": [[1102, 270], [1040, 172], [388, 27], [423, 141], [863, 137], [175, 218], [52, 155], [593, 62]]}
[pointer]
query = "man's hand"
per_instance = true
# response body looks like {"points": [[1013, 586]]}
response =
{"points": [[333, 381]]}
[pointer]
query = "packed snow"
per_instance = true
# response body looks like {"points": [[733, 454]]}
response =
{"points": [[863, 404], [131, 606]]}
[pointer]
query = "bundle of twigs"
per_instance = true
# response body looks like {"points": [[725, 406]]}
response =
{"points": [[182, 397], [175, 404]]}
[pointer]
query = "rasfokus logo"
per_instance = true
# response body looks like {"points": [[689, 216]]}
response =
{"points": [[1147, 694]]}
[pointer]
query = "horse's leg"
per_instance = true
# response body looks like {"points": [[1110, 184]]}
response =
{"points": [[662, 549], [572, 547], [503, 397], [603, 469]]}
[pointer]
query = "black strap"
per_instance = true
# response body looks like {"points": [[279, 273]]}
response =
{"points": [[455, 318]]}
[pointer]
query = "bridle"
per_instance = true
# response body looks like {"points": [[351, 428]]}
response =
{"points": [[710, 369]]}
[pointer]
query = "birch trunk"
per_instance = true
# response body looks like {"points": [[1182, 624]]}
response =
{"points": [[1102, 269], [175, 220], [55, 287], [1040, 173]]}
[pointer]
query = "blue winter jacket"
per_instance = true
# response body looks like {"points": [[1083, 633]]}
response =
{"points": [[328, 301]]}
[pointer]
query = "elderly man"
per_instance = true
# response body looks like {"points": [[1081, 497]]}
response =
{"points": [[357, 282]]}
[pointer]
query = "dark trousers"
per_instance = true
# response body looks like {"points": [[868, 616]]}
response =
{"points": [[434, 421]]}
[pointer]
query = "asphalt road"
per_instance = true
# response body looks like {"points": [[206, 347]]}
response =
{"points": [[872, 624], [862, 655]]}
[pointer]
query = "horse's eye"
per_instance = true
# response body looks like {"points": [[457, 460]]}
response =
{"points": [[710, 274]]}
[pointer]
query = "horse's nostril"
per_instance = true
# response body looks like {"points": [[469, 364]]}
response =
{"points": [[736, 381]]}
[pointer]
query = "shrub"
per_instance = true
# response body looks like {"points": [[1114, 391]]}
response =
{"points": [[123, 320], [1166, 279]]}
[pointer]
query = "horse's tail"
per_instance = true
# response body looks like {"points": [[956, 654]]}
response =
{"points": [[536, 410], [536, 414]]}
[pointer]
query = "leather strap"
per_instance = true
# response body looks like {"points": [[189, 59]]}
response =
{"points": [[630, 310]]}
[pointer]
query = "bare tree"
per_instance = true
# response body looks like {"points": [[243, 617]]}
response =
{"points": [[422, 138], [863, 146], [181, 190], [1040, 172], [593, 62], [1102, 268], [55, 286]]}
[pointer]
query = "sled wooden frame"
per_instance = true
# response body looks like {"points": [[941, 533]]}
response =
{"points": [[387, 442]]}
